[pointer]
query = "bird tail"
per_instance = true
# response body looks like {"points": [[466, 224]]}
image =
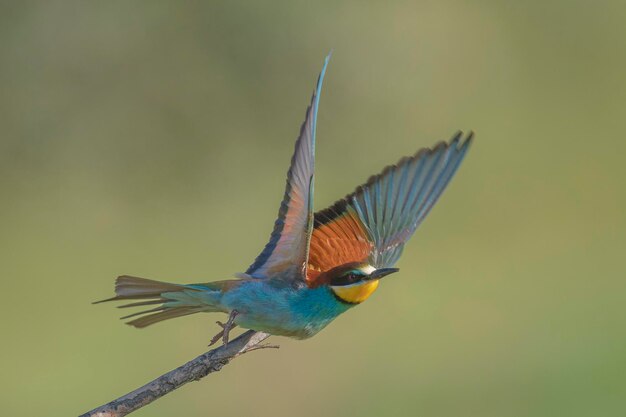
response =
{"points": [[174, 300]]}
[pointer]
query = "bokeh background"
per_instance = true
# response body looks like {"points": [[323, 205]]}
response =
{"points": [[152, 138]]}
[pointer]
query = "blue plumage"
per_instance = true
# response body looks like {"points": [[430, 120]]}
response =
{"points": [[392, 205], [271, 307]]}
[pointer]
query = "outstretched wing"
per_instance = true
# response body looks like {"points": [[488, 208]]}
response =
{"points": [[373, 223], [287, 251]]}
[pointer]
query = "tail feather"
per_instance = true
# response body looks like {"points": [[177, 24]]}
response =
{"points": [[134, 288], [144, 303], [139, 313], [127, 287], [166, 314], [179, 301]]}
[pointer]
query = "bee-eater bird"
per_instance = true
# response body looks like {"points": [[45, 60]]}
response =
{"points": [[317, 265]]}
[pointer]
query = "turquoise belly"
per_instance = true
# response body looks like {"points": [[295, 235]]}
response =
{"points": [[282, 310]]}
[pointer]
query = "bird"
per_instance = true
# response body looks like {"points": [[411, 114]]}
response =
{"points": [[316, 265]]}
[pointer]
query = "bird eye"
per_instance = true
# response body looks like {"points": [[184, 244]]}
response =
{"points": [[346, 279]]}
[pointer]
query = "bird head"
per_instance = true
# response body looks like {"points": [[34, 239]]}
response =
{"points": [[353, 283]]}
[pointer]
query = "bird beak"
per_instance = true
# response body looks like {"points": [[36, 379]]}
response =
{"points": [[379, 273]]}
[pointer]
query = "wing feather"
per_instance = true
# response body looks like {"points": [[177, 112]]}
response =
{"points": [[374, 222], [286, 253]]}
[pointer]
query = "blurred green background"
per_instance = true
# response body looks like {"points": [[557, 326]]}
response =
{"points": [[153, 138]]}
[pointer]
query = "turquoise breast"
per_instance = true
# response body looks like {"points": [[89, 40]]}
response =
{"points": [[271, 306]]}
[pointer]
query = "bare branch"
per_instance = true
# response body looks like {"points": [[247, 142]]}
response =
{"points": [[211, 361]]}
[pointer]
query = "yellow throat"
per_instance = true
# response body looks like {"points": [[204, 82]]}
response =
{"points": [[356, 293]]}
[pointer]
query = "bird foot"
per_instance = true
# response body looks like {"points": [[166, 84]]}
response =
{"points": [[226, 328]]}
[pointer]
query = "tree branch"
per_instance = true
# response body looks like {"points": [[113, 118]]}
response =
{"points": [[211, 361]]}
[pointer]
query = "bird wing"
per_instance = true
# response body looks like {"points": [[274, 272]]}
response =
{"points": [[373, 223], [287, 249]]}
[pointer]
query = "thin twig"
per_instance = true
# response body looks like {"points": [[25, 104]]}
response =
{"points": [[211, 361]]}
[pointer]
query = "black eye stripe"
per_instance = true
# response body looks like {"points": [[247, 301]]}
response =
{"points": [[346, 279]]}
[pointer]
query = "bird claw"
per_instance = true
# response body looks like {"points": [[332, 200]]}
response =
{"points": [[217, 337], [226, 328]]}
